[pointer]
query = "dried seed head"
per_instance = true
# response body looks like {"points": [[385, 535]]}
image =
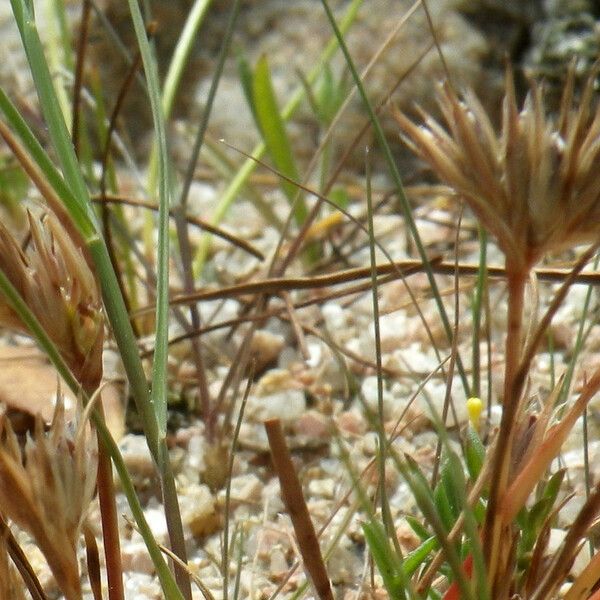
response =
{"points": [[46, 489], [55, 281], [534, 186]]}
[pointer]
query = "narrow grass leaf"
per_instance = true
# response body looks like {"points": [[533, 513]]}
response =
{"points": [[387, 561], [50, 106], [246, 79], [274, 134], [80, 216], [159, 368], [413, 560], [418, 528], [474, 453]]}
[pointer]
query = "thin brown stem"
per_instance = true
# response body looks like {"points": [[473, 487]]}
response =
{"points": [[110, 523], [291, 491], [494, 527]]}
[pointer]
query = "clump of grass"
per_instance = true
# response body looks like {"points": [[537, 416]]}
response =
{"points": [[534, 186]]}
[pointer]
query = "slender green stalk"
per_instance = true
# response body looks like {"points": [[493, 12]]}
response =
{"points": [[382, 454], [406, 209], [477, 307], [59, 134], [158, 397], [247, 168], [58, 50], [159, 370]]}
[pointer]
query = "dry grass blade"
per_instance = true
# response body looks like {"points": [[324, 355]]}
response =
{"points": [[46, 488], [533, 471], [10, 584], [21, 563], [586, 581], [562, 561]]}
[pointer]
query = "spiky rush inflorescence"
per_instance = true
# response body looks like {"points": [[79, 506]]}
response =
{"points": [[534, 185], [46, 488], [55, 281]]}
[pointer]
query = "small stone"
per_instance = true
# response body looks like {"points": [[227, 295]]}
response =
{"points": [[313, 424], [265, 348], [336, 318], [369, 390], [135, 558], [351, 422], [286, 405], [141, 586], [278, 565], [157, 523], [136, 456], [322, 487], [198, 511], [246, 488]]}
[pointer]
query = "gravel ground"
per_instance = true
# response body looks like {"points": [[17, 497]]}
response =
{"points": [[315, 366]]}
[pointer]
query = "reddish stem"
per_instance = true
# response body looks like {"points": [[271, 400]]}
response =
{"points": [[516, 280]]}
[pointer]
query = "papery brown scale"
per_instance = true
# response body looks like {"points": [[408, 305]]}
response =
{"points": [[462, 124]]}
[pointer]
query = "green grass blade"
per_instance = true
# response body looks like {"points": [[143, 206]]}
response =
{"points": [[387, 561], [159, 369], [50, 106], [246, 77], [182, 52], [474, 453], [274, 134], [413, 560], [422, 493], [158, 398], [233, 189], [79, 214]]}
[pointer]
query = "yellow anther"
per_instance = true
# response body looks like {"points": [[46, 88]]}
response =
{"points": [[474, 408]]}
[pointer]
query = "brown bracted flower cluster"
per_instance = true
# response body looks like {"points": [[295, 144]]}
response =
{"points": [[46, 488], [535, 185], [55, 281]]}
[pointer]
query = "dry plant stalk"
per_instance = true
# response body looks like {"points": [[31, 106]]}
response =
{"points": [[291, 491], [46, 488], [535, 187], [10, 584]]}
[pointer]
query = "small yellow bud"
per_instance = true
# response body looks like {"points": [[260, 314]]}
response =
{"points": [[474, 408]]}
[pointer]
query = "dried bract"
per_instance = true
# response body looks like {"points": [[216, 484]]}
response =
{"points": [[56, 283], [46, 489]]}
